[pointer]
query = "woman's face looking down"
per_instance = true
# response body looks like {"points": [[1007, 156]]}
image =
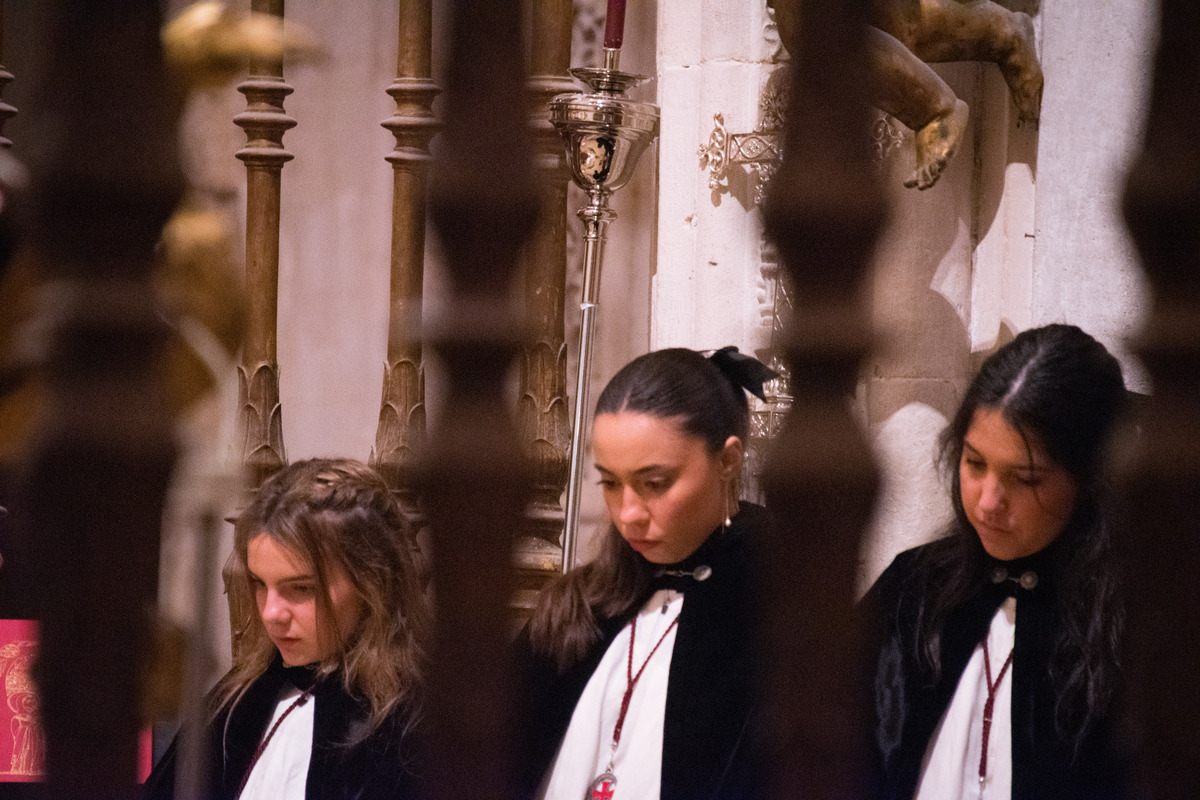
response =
{"points": [[285, 591], [664, 490], [1016, 498]]}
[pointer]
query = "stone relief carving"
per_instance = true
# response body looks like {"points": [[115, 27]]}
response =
{"points": [[760, 150]]}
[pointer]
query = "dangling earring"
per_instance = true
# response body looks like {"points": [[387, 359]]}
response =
{"points": [[728, 521]]}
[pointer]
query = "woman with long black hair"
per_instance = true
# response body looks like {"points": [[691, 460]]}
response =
{"points": [[998, 659], [641, 661]]}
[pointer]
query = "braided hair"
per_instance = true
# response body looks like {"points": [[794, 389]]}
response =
{"points": [[340, 514]]}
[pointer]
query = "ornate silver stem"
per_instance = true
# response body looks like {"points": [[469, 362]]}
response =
{"points": [[604, 134]]}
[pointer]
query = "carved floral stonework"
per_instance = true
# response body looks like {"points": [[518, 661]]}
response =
{"points": [[760, 150]]}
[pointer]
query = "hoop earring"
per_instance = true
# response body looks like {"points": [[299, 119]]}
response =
{"points": [[728, 521]]}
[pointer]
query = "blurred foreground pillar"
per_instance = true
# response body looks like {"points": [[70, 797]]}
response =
{"points": [[104, 179], [1161, 483], [824, 211]]}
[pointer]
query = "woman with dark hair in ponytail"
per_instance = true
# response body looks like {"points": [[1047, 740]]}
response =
{"points": [[998, 658], [641, 662]]}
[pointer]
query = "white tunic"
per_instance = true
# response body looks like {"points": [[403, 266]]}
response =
{"points": [[282, 771], [951, 765], [587, 746]]}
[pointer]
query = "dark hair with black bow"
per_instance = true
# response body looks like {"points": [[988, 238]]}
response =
{"points": [[706, 395]]}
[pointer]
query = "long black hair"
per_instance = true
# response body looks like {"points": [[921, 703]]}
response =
{"points": [[1058, 386], [706, 396]]}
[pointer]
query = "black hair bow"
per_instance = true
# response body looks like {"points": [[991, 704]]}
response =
{"points": [[742, 370]]}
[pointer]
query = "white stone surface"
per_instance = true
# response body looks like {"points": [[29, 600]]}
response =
{"points": [[1097, 58], [913, 506], [713, 58]]}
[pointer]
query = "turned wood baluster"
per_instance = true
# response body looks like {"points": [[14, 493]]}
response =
{"points": [[542, 411], [260, 416], [104, 177], [7, 111], [264, 155], [824, 210], [401, 430], [472, 478], [1161, 482]]}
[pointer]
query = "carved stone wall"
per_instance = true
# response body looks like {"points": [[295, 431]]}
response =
{"points": [[1021, 230]]}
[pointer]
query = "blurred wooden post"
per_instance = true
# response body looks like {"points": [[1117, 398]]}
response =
{"points": [[7, 111], [265, 123], [401, 431], [1161, 483], [824, 210], [104, 179], [542, 411], [472, 479]]}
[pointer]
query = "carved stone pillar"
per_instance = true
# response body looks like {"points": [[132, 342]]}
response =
{"points": [[542, 411], [264, 155], [401, 430], [472, 479], [104, 179], [824, 209], [1161, 482]]}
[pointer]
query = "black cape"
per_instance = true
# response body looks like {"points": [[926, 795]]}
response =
{"points": [[710, 736], [380, 767], [909, 703]]}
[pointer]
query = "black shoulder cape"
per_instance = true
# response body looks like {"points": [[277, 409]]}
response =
{"points": [[909, 703], [710, 736], [380, 767]]}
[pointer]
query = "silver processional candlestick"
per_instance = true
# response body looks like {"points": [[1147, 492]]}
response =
{"points": [[604, 133]]}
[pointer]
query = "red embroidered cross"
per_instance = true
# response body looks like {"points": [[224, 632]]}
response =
{"points": [[603, 791]]}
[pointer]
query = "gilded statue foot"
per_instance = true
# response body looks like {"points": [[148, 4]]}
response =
{"points": [[937, 143], [1022, 71]]}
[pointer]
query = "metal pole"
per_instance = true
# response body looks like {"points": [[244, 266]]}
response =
{"points": [[604, 134], [595, 216]]}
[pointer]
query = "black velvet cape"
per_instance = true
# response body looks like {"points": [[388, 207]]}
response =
{"points": [[711, 742], [909, 703], [381, 766]]}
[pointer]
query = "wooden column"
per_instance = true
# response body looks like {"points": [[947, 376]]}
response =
{"points": [[824, 210], [104, 179], [542, 411], [264, 155], [472, 479], [401, 431], [1161, 483]]}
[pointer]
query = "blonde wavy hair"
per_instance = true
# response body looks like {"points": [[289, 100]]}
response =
{"points": [[340, 513]]}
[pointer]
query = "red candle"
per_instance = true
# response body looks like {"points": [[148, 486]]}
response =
{"points": [[614, 24]]}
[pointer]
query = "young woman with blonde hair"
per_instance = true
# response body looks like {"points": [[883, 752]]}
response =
{"points": [[325, 695]]}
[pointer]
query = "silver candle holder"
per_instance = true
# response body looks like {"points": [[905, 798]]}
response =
{"points": [[605, 134]]}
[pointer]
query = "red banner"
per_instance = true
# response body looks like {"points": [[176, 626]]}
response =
{"points": [[22, 747]]}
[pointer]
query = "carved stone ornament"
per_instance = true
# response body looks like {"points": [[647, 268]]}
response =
{"points": [[760, 150]]}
